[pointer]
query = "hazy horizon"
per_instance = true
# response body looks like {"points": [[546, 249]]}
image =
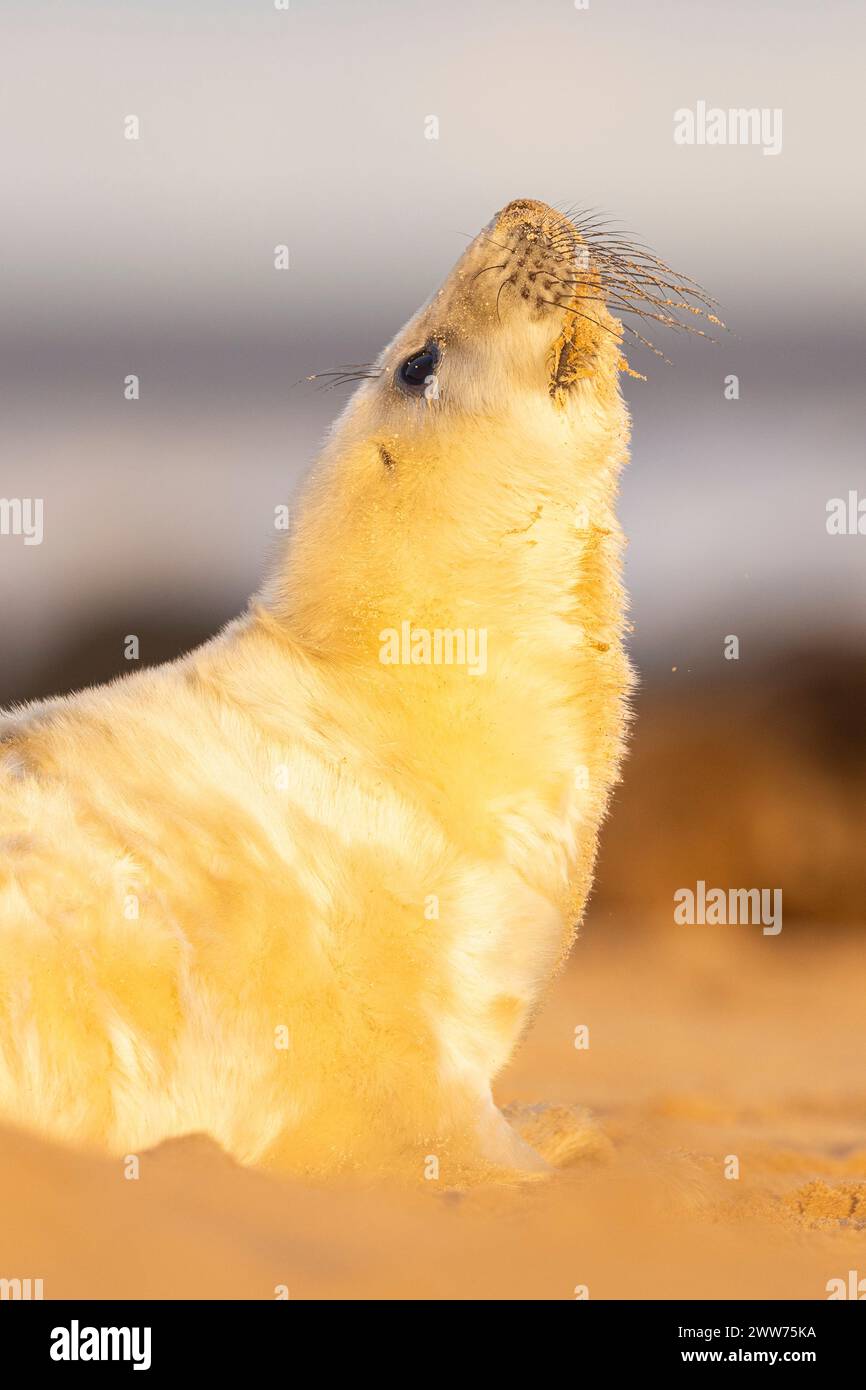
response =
{"points": [[259, 127]]}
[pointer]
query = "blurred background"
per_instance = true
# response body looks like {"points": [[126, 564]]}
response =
{"points": [[306, 127]]}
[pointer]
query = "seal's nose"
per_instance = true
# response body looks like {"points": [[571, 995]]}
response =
{"points": [[534, 221], [527, 209], [525, 205]]}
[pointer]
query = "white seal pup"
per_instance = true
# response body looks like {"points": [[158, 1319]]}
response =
{"points": [[302, 889]]}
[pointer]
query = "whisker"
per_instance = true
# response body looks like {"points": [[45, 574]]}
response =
{"points": [[632, 279], [487, 237], [343, 376], [505, 282], [484, 270], [589, 318]]}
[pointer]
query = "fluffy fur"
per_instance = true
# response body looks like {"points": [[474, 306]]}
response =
{"points": [[352, 880]]}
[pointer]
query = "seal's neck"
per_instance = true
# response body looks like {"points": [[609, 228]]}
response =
{"points": [[488, 526], [470, 605]]}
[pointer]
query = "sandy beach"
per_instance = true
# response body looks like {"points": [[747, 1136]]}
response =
{"points": [[703, 1047]]}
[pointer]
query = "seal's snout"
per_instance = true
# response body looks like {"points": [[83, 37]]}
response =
{"points": [[525, 206], [527, 223], [540, 255]]}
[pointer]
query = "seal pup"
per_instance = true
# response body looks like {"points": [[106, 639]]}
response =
{"points": [[302, 889]]}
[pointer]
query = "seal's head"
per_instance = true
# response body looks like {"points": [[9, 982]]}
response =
{"points": [[521, 305], [522, 312], [499, 397]]}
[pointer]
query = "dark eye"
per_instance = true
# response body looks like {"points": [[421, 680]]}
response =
{"points": [[416, 369]]}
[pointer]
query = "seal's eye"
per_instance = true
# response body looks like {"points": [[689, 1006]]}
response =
{"points": [[416, 369]]}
